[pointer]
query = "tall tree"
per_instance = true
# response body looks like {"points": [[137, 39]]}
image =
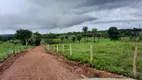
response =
{"points": [[23, 35], [79, 37], [73, 39], [140, 36], [99, 34], [85, 30], [113, 33], [62, 39], [66, 37], [94, 33], [35, 39]]}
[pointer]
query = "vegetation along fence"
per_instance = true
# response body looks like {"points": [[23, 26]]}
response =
{"points": [[117, 60], [4, 55]]}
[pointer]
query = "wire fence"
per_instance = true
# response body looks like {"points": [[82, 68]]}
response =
{"points": [[8, 53], [124, 61]]}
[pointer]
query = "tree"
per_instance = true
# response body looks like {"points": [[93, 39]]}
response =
{"points": [[133, 35], [79, 37], [113, 33], [85, 30], [94, 32], [73, 39], [23, 35], [140, 35], [99, 34], [35, 39], [50, 36], [3, 38], [66, 37], [62, 39]]}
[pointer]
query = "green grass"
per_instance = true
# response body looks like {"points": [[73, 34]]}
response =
{"points": [[116, 57], [8, 49]]}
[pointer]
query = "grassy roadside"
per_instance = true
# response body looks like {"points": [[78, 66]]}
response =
{"points": [[110, 56], [8, 49]]}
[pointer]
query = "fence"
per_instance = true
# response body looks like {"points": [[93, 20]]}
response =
{"points": [[55, 48], [124, 63], [8, 53]]}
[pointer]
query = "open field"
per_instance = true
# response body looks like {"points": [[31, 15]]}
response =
{"points": [[7, 49], [116, 57]]}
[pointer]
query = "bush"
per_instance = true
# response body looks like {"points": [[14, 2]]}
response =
{"points": [[51, 41]]}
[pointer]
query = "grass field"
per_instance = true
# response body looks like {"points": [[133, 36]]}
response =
{"points": [[7, 49], [108, 55]]}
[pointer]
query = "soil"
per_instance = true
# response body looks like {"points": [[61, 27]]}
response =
{"points": [[39, 64]]}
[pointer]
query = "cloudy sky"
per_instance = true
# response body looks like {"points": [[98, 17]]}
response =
{"points": [[68, 15]]}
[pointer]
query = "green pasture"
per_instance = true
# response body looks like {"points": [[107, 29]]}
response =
{"points": [[7, 49], [110, 56]]}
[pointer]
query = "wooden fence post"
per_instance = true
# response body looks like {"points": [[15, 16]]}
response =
{"points": [[63, 49], [57, 48], [70, 50], [12, 51], [18, 51], [54, 48], [51, 47], [48, 47], [134, 61], [91, 53]]}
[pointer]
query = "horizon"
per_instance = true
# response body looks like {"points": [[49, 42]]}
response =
{"points": [[67, 32]]}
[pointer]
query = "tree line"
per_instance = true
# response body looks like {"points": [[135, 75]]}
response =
{"points": [[112, 33], [26, 37]]}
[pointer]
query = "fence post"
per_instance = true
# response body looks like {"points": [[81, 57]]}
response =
{"points": [[91, 53], [134, 61], [63, 49], [48, 47], [52, 47], [57, 48], [12, 51], [18, 51], [70, 50]]}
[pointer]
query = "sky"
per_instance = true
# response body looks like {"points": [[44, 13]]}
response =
{"points": [[60, 16]]}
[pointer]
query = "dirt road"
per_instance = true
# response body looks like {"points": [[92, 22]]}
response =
{"points": [[36, 64]]}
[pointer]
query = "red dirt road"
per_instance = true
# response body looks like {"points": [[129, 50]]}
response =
{"points": [[36, 64]]}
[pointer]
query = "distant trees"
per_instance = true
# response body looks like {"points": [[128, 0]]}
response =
{"points": [[6, 37], [85, 30], [73, 39], [3, 38], [113, 33], [133, 36], [66, 37], [79, 37], [94, 33], [140, 36], [49, 36], [62, 39], [35, 39], [23, 35], [99, 35]]}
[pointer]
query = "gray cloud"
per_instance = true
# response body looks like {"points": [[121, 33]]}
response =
{"points": [[117, 21], [51, 14]]}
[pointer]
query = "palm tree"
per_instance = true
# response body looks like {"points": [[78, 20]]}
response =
{"points": [[94, 33], [85, 30]]}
